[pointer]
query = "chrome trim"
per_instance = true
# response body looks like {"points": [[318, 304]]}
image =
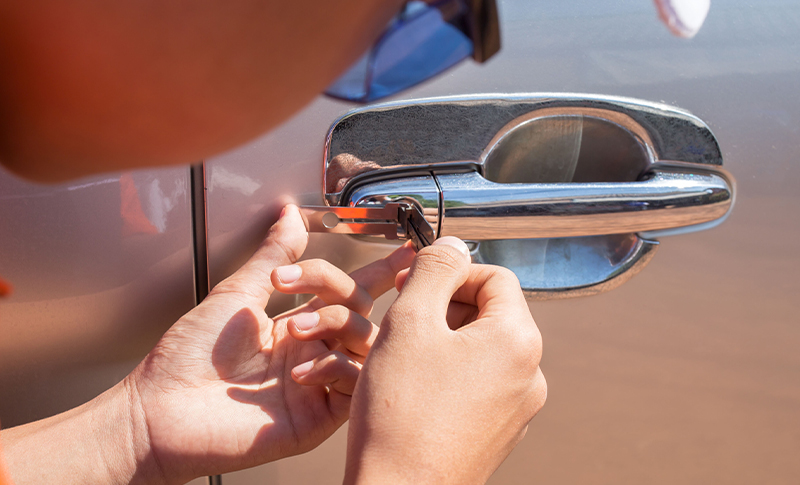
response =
{"points": [[598, 273], [423, 192], [400, 133], [643, 253], [372, 154], [696, 169], [476, 208]]}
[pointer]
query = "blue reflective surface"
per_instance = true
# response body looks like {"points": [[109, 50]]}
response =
{"points": [[418, 45]]}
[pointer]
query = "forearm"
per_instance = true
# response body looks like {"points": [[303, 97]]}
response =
{"points": [[99, 442], [409, 462], [366, 471]]}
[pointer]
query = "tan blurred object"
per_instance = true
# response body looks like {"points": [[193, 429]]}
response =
{"points": [[134, 220], [5, 288], [4, 480], [344, 167], [683, 17]]}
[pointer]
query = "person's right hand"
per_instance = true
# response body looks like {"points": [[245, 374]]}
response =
{"points": [[452, 379]]}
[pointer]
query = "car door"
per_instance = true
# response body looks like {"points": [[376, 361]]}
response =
{"points": [[685, 373], [100, 268]]}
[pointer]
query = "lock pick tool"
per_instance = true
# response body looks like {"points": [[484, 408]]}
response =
{"points": [[395, 220]]}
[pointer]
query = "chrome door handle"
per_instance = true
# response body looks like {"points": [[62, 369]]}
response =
{"points": [[468, 206], [569, 191], [476, 208]]}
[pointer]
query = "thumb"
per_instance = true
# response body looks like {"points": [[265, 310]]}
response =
{"points": [[436, 273], [284, 244]]}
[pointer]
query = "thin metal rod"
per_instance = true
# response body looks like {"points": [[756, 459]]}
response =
{"points": [[202, 282]]}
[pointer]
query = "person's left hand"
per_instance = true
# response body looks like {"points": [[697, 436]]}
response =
{"points": [[227, 387]]}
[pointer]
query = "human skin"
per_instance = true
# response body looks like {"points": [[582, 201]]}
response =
{"points": [[227, 387], [91, 86], [454, 380], [452, 410], [4, 480]]}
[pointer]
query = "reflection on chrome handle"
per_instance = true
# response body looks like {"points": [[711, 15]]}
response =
{"points": [[476, 208]]}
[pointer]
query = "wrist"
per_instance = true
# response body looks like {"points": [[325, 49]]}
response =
{"points": [[134, 457], [99, 442], [365, 472], [109, 421], [380, 473], [386, 466]]}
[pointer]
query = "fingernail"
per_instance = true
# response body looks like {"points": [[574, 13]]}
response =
{"points": [[289, 274], [453, 242], [306, 321], [283, 213], [303, 369]]}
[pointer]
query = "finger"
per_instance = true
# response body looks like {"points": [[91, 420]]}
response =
{"points": [[460, 314], [283, 245], [682, 21], [436, 273], [379, 276], [354, 332], [503, 315], [493, 289], [326, 281], [400, 279], [332, 369], [375, 278], [485, 283]]}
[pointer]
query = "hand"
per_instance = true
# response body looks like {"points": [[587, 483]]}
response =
{"points": [[228, 388], [452, 379]]}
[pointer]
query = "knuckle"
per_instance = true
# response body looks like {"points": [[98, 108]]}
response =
{"points": [[330, 359], [338, 316], [523, 349], [291, 244], [224, 287], [539, 392], [336, 364], [522, 433], [323, 367], [236, 288], [342, 321], [529, 344], [435, 259], [530, 336], [358, 326], [533, 397], [315, 266], [362, 302]]}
